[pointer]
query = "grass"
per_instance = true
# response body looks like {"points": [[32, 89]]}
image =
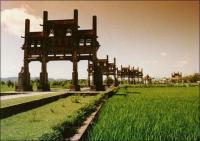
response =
{"points": [[15, 101], [49, 122], [5, 88], [168, 113], [161, 85]]}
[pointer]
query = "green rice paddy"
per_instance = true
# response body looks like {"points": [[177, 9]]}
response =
{"points": [[138, 114]]}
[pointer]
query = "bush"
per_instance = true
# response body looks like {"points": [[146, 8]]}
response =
{"points": [[3, 83], [10, 83], [109, 81], [75, 99]]}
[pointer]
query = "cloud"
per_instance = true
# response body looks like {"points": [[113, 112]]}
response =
{"points": [[163, 54], [183, 63], [151, 62], [13, 20]]}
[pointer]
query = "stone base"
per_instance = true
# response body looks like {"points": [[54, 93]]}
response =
{"points": [[21, 88], [116, 83], [43, 88], [23, 82], [99, 88], [44, 85], [75, 88]]}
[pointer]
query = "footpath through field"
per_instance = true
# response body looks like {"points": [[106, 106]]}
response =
{"points": [[34, 93]]}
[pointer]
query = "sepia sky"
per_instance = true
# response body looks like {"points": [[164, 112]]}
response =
{"points": [[159, 36]]}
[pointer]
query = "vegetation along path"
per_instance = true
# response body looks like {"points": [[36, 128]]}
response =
{"points": [[54, 121], [169, 113]]}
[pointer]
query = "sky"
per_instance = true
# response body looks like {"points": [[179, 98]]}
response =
{"points": [[159, 36]]}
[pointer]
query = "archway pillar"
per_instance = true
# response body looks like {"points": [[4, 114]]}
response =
{"points": [[97, 75], [24, 80], [44, 85], [75, 86]]}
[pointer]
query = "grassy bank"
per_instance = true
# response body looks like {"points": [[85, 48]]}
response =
{"points": [[53, 121], [168, 113]]}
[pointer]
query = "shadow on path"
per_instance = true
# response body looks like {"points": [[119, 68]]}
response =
{"points": [[127, 93]]}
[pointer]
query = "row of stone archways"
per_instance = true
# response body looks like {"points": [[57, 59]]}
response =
{"points": [[58, 69]]}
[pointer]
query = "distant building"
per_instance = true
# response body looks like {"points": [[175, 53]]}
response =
{"points": [[164, 80], [176, 77], [147, 79]]}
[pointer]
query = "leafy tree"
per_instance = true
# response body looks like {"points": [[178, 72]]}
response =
{"points": [[10, 83], [109, 81], [195, 77], [37, 82], [3, 83], [192, 78]]}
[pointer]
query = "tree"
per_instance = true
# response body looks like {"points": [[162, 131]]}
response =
{"points": [[109, 81], [195, 77], [3, 83], [192, 78], [37, 82], [10, 83]]}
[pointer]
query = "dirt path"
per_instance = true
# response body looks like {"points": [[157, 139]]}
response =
{"points": [[26, 94]]}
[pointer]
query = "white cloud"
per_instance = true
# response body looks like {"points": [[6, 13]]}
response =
{"points": [[151, 62], [163, 54], [183, 63], [13, 20]]}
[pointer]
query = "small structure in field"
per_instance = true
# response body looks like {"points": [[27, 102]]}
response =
{"points": [[176, 77], [134, 76], [147, 79], [106, 67]]}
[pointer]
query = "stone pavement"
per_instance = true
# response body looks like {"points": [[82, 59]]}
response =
{"points": [[26, 94]]}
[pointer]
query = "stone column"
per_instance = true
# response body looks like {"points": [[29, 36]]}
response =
{"points": [[28, 87], [107, 69], [44, 86], [129, 74], [88, 73], [115, 78], [97, 78], [75, 86], [24, 75], [97, 73]]}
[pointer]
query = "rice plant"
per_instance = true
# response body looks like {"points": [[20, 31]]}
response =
{"points": [[169, 113]]}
